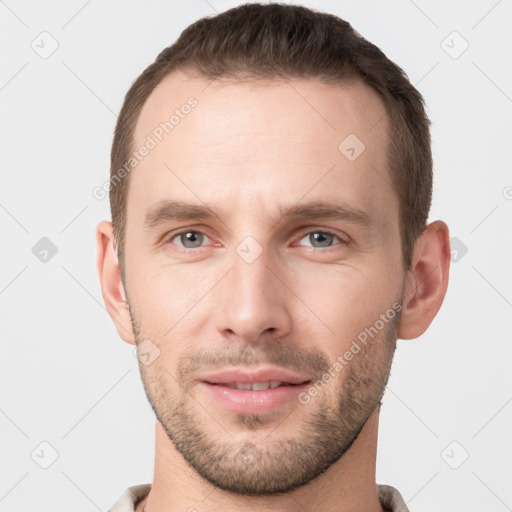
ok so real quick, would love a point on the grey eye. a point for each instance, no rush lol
(320, 239)
(190, 239)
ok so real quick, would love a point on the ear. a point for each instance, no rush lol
(426, 281)
(112, 288)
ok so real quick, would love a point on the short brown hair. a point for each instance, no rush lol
(272, 41)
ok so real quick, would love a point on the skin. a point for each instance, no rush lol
(249, 149)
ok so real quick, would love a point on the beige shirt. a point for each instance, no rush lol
(133, 497)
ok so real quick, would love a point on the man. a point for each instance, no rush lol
(270, 185)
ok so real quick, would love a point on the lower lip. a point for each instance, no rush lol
(253, 402)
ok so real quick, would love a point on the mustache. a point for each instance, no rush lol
(240, 354)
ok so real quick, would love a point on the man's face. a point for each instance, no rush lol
(249, 308)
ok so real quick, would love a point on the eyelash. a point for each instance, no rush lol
(323, 231)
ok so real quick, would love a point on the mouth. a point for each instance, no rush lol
(254, 386)
(254, 392)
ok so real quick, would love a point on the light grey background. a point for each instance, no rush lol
(67, 379)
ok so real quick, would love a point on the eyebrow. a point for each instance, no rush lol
(170, 210)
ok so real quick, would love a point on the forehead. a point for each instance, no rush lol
(311, 105)
(225, 139)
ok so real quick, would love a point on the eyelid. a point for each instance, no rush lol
(170, 236)
(302, 233)
(344, 239)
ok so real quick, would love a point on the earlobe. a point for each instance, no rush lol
(427, 280)
(112, 288)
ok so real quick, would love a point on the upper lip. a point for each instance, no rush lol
(248, 376)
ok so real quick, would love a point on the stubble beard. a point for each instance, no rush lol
(330, 426)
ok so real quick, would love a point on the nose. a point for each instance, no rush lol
(253, 301)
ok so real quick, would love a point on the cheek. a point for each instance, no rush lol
(164, 296)
(341, 303)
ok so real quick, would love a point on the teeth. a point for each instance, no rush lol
(260, 386)
(255, 386)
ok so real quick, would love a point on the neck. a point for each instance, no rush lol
(348, 485)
